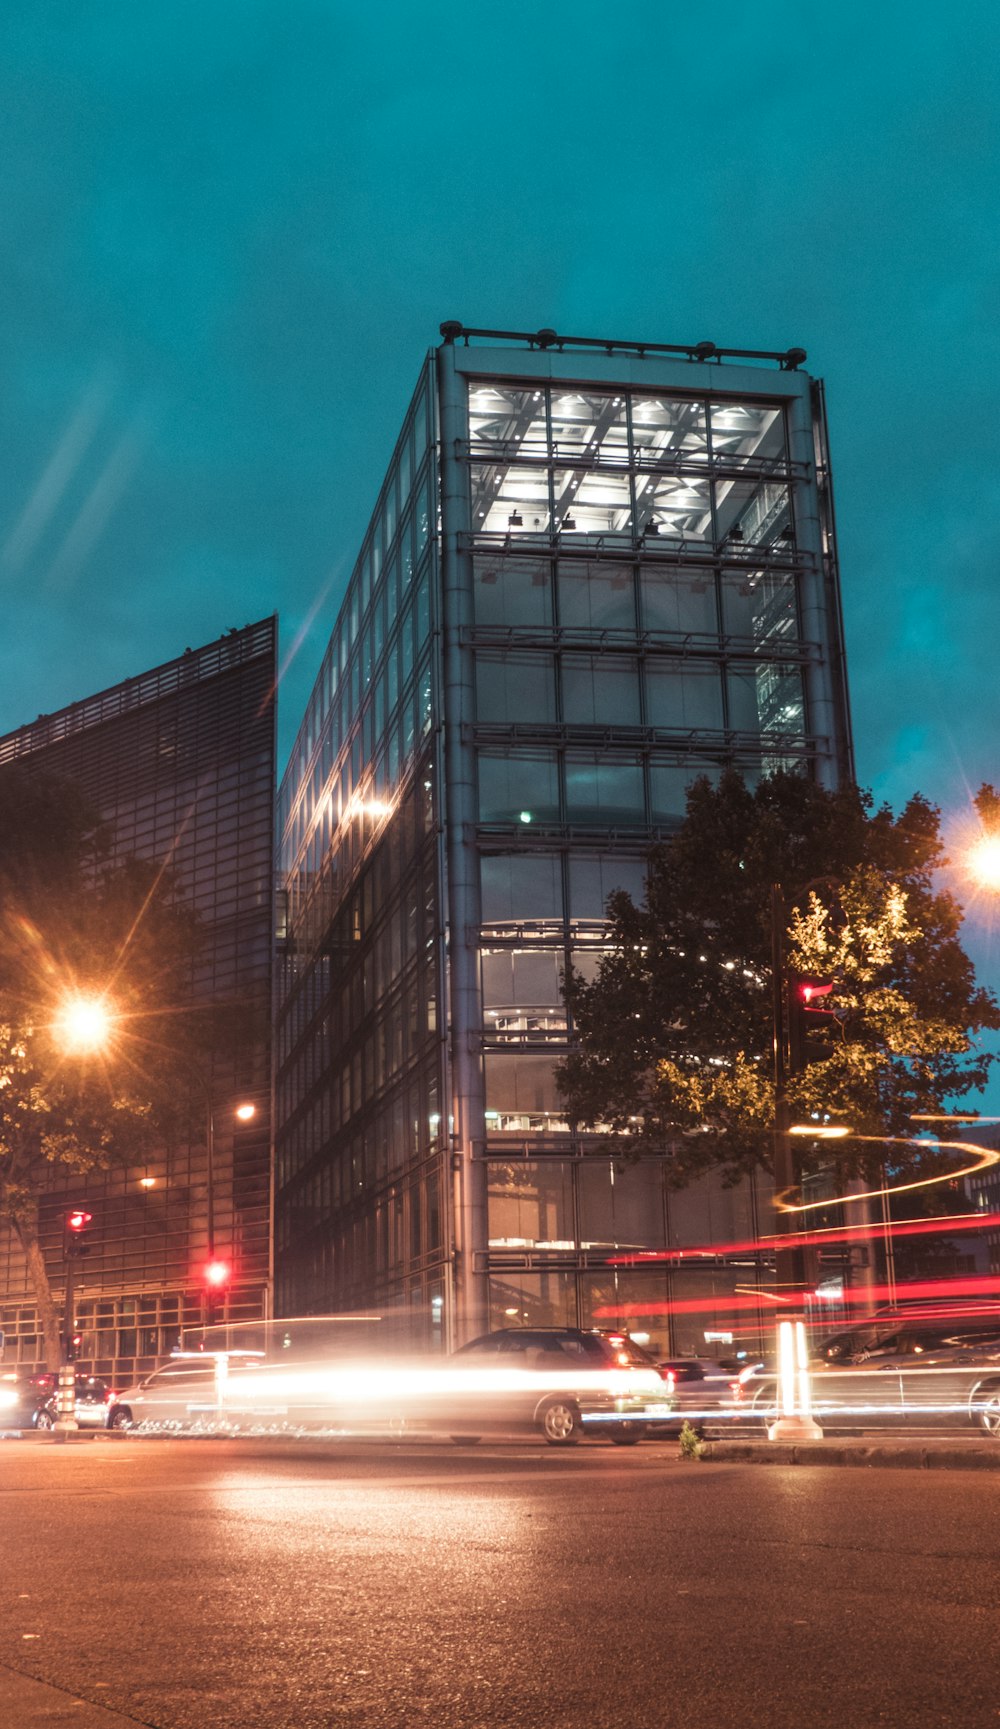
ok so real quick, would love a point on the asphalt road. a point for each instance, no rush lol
(242, 1585)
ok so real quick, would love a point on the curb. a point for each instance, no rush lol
(834, 1453)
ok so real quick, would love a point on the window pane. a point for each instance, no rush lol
(668, 784)
(661, 425)
(752, 512)
(621, 1206)
(533, 1299)
(522, 994)
(593, 879)
(592, 501)
(521, 887)
(759, 604)
(677, 601)
(593, 424)
(521, 1095)
(512, 421)
(683, 693)
(509, 500)
(596, 596)
(511, 591)
(518, 789)
(600, 690)
(766, 698)
(676, 507)
(515, 687)
(636, 1303)
(748, 429)
(530, 1204)
(603, 791)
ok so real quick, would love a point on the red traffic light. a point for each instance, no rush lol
(78, 1220)
(217, 1273)
(808, 991)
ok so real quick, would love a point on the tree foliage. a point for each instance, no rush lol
(674, 1035)
(72, 925)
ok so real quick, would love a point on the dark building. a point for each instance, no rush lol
(180, 763)
(595, 570)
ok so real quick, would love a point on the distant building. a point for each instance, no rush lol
(596, 569)
(180, 763)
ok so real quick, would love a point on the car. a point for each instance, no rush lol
(189, 1390)
(703, 1390)
(93, 1397)
(920, 1374)
(970, 1322)
(30, 1401)
(564, 1381)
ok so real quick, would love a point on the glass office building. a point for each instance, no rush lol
(595, 570)
(180, 763)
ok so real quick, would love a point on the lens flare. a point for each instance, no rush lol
(984, 861)
(84, 1024)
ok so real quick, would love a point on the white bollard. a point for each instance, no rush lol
(795, 1421)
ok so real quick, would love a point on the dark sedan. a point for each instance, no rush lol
(29, 1401)
(923, 1377)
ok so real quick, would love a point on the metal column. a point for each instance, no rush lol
(462, 892)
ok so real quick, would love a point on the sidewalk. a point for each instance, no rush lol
(950, 1453)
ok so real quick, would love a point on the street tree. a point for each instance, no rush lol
(673, 1037)
(80, 935)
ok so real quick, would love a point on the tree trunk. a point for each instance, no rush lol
(25, 1223)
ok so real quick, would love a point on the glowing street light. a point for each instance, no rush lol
(84, 1024)
(983, 861)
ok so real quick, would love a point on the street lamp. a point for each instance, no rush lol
(83, 1024)
(984, 861)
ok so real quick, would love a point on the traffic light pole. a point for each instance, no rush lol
(66, 1423)
(794, 1421)
(788, 1260)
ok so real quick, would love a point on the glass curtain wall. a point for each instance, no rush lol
(358, 1042)
(179, 762)
(637, 623)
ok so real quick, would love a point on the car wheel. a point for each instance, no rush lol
(44, 1420)
(628, 1434)
(988, 1412)
(120, 1418)
(465, 1440)
(560, 1423)
(764, 1410)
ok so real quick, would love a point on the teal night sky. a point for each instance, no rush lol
(231, 230)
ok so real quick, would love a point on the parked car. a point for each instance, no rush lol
(564, 1381)
(919, 1374)
(29, 1401)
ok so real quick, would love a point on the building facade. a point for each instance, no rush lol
(595, 571)
(180, 764)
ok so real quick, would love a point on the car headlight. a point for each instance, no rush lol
(8, 1397)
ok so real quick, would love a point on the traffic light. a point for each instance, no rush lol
(78, 1223)
(217, 1275)
(811, 1023)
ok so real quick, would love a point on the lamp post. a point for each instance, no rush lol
(83, 1026)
